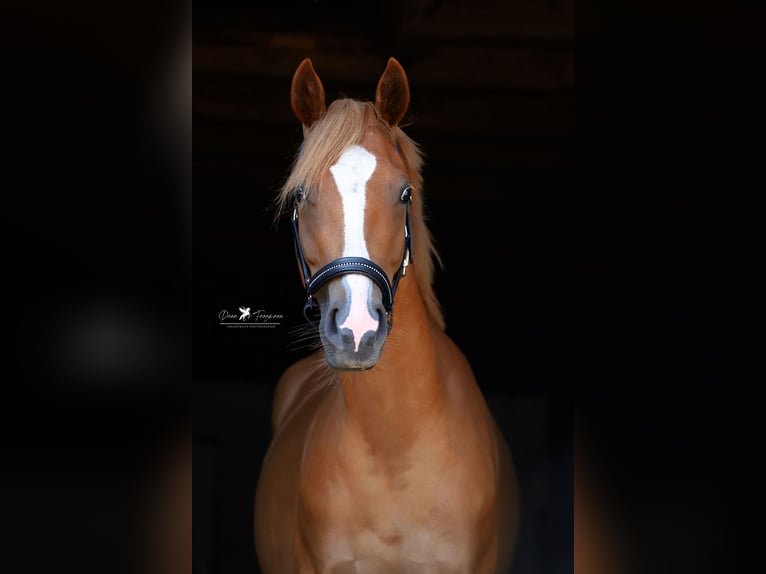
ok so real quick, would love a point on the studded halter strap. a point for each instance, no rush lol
(346, 265)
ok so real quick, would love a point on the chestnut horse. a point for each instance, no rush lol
(384, 456)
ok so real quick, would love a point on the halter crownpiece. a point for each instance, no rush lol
(346, 265)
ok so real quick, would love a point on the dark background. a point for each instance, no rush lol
(95, 236)
(493, 109)
(669, 346)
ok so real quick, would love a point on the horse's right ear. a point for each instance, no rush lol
(307, 94)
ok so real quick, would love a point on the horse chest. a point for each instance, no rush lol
(394, 515)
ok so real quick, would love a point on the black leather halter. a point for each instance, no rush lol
(362, 265)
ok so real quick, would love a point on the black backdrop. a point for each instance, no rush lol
(493, 109)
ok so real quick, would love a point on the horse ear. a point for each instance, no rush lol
(393, 94)
(307, 94)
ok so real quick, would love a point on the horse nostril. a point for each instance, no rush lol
(332, 320)
(382, 316)
(334, 332)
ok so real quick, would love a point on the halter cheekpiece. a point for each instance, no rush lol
(346, 265)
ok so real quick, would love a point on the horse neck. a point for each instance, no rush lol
(392, 400)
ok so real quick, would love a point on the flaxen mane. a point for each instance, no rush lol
(343, 125)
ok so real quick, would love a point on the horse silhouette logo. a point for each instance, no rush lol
(245, 313)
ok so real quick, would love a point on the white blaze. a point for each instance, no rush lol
(351, 173)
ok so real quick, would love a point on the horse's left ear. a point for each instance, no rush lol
(393, 94)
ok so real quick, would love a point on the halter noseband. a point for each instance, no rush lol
(361, 265)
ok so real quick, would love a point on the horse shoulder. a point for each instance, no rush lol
(292, 390)
(481, 428)
(460, 383)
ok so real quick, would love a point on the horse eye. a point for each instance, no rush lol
(406, 196)
(300, 195)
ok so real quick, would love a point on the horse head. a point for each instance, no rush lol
(352, 187)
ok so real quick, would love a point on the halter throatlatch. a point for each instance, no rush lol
(361, 265)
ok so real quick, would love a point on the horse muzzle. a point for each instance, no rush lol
(354, 323)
